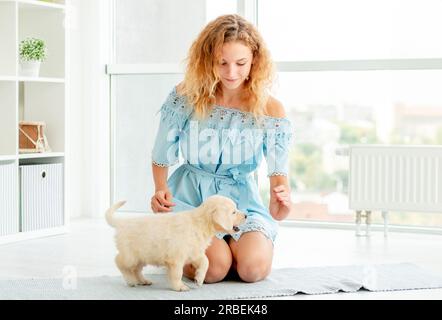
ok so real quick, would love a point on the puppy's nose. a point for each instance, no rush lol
(235, 228)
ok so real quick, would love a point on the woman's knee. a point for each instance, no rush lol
(217, 271)
(220, 262)
(253, 270)
(253, 255)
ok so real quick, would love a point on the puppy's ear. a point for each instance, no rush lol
(222, 220)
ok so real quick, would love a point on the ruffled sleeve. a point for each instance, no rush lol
(174, 114)
(278, 140)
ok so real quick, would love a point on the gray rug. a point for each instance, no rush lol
(281, 282)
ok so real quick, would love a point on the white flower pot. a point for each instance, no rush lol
(30, 68)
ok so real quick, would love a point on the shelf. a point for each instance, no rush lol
(32, 79)
(8, 78)
(40, 155)
(8, 118)
(41, 79)
(47, 25)
(24, 98)
(20, 236)
(8, 32)
(7, 157)
(33, 4)
(43, 101)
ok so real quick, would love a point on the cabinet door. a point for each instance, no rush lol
(9, 217)
(41, 196)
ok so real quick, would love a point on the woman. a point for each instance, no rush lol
(224, 121)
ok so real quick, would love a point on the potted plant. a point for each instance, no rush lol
(32, 52)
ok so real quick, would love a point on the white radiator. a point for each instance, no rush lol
(394, 178)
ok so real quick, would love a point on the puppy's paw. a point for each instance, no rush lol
(145, 282)
(131, 283)
(181, 287)
(199, 280)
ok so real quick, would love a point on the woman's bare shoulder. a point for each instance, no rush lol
(274, 108)
(179, 88)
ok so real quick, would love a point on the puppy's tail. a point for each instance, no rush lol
(110, 213)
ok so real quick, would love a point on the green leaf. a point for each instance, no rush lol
(32, 49)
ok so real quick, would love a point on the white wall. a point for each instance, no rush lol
(89, 117)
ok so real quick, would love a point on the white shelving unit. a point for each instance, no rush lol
(31, 99)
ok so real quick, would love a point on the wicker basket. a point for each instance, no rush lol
(32, 137)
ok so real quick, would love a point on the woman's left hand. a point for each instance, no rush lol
(280, 202)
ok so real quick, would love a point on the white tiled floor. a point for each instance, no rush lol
(90, 250)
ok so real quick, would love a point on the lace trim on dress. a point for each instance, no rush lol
(163, 165)
(221, 113)
(277, 174)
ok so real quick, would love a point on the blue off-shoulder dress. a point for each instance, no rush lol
(220, 153)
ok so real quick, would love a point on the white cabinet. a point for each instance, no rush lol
(41, 98)
(9, 221)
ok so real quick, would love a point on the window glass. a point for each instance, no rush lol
(348, 29)
(330, 110)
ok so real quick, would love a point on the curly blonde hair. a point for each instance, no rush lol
(202, 82)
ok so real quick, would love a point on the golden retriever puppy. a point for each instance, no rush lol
(172, 239)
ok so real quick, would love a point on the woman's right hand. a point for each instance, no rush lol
(162, 201)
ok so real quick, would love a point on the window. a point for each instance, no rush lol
(332, 109)
(348, 29)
